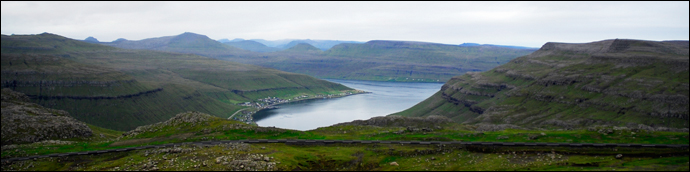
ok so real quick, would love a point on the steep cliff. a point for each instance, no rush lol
(564, 85)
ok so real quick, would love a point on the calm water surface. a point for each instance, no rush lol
(386, 98)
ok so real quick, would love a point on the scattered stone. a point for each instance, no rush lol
(394, 163)
(619, 156)
(25, 122)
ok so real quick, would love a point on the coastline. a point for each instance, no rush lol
(249, 119)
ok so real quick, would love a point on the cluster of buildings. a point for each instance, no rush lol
(246, 117)
(269, 102)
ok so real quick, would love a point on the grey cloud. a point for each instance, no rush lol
(509, 23)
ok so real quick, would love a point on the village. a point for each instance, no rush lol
(245, 115)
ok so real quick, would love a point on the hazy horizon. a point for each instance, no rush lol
(529, 24)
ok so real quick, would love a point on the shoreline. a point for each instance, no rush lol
(272, 106)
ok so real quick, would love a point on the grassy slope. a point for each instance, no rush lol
(369, 156)
(642, 83)
(188, 82)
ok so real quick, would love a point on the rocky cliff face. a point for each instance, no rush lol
(611, 82)
(24, 122)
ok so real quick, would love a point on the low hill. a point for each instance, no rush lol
(320, 44)
(121, 89)
(91, 39)
(303, 48)
(251, 46)
(564, 85)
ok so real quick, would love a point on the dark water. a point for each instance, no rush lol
(386, 98)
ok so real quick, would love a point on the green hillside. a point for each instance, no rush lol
(121, 89)
(611, 82)
(196, 127)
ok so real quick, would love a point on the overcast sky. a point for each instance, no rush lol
(505, 23)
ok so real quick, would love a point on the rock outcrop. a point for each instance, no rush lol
(24, 122)
(192, 118)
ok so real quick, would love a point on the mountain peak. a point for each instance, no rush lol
(91, 39)
(119, 40)
(303, 47)
(190, 34)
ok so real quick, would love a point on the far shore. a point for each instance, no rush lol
(272, 106)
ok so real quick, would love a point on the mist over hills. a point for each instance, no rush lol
(122, 89)
(320, 44)
(565, 85)
(281, 44)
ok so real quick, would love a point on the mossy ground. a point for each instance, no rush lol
(365, 156)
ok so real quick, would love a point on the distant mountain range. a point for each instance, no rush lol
(617, 82)
(402, 61)
(278, 45)
(184, 43)
(252, 46)
(507, 46)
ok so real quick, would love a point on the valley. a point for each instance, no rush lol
(605, 105)
(345, 86)
(122, 89)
